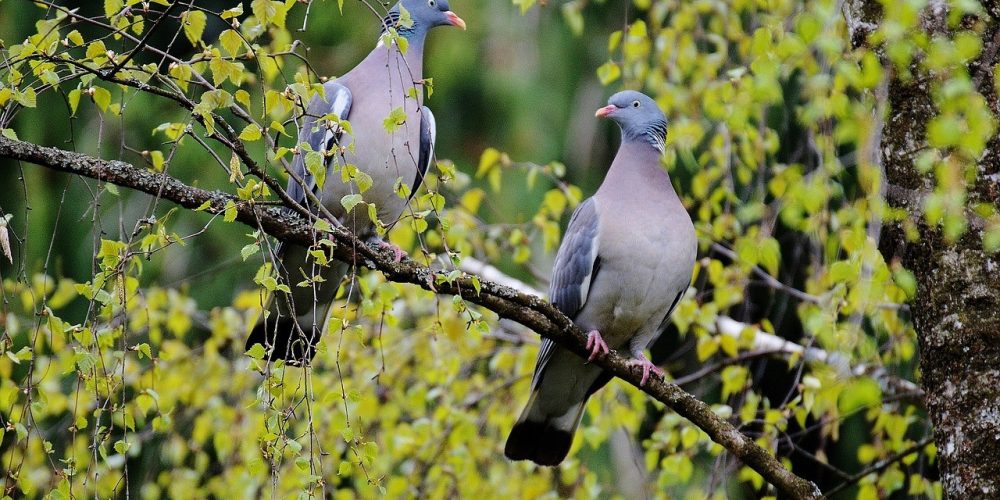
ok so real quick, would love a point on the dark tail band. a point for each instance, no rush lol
(539, 442)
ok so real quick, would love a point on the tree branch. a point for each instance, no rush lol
(529, 310)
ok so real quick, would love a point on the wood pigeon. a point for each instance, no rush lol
(624, 263)
(382, 93)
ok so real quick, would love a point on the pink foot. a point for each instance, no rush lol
(647, 366)
(398, 253)
(596, 345)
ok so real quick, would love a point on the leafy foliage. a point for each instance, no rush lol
(123, 368)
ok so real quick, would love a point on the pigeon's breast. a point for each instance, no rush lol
(384, 145)
(645, 263)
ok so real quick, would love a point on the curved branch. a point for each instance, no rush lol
(529, 310)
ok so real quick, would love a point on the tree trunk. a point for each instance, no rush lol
(956, 311)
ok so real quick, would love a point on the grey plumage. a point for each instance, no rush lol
(387, 79)
(624, 263)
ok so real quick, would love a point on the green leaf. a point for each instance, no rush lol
(101, 97)
(247, 251)
(860, 393)
(243, 97)
(323, 226)
(270, 12)
(348, 434)
(194, 25)
(74, 100)
(230, 211)
(905, 281)
(396, 118)
(97, 51)
(27, 98)
(231, 42)
(316, 166)
(25, 354)
(769, 255)
(350, 201)
(75, 38)
(572, 13)
(277, 127)
(21, 430)
(405, 19)
(608, 72)
(251, 133)
(158, 160)
(706, 347)
(122, 446)
(344, 469)
(363, 180)
(256, 352)
(233, 12)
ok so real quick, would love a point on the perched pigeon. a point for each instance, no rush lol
(624, 263)
(381, 93)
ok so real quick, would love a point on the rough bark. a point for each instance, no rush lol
(529, 310)
(956, 311)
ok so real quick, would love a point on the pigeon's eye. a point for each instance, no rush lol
(635, 104)
(431, 3)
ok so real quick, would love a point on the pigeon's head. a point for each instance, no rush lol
(638, 116)
(427, 14)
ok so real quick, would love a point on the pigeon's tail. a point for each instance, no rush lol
(541, 435)
(295, 321)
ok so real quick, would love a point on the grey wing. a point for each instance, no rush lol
(577, 264)
(319, 134)
(428, 136)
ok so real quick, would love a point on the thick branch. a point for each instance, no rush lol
(526, 309)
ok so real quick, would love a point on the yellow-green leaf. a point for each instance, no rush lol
(350, 201)
(608, 73)
(231, 41)
(194, 25)
(230, 211)
(396, 118)
(101, 97)
(251, 133)
(74, 100)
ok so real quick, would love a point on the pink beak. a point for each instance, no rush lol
(455, 20)
(605, 111)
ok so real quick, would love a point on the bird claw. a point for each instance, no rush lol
(647, 366)
(397, 252)
(596, 345)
